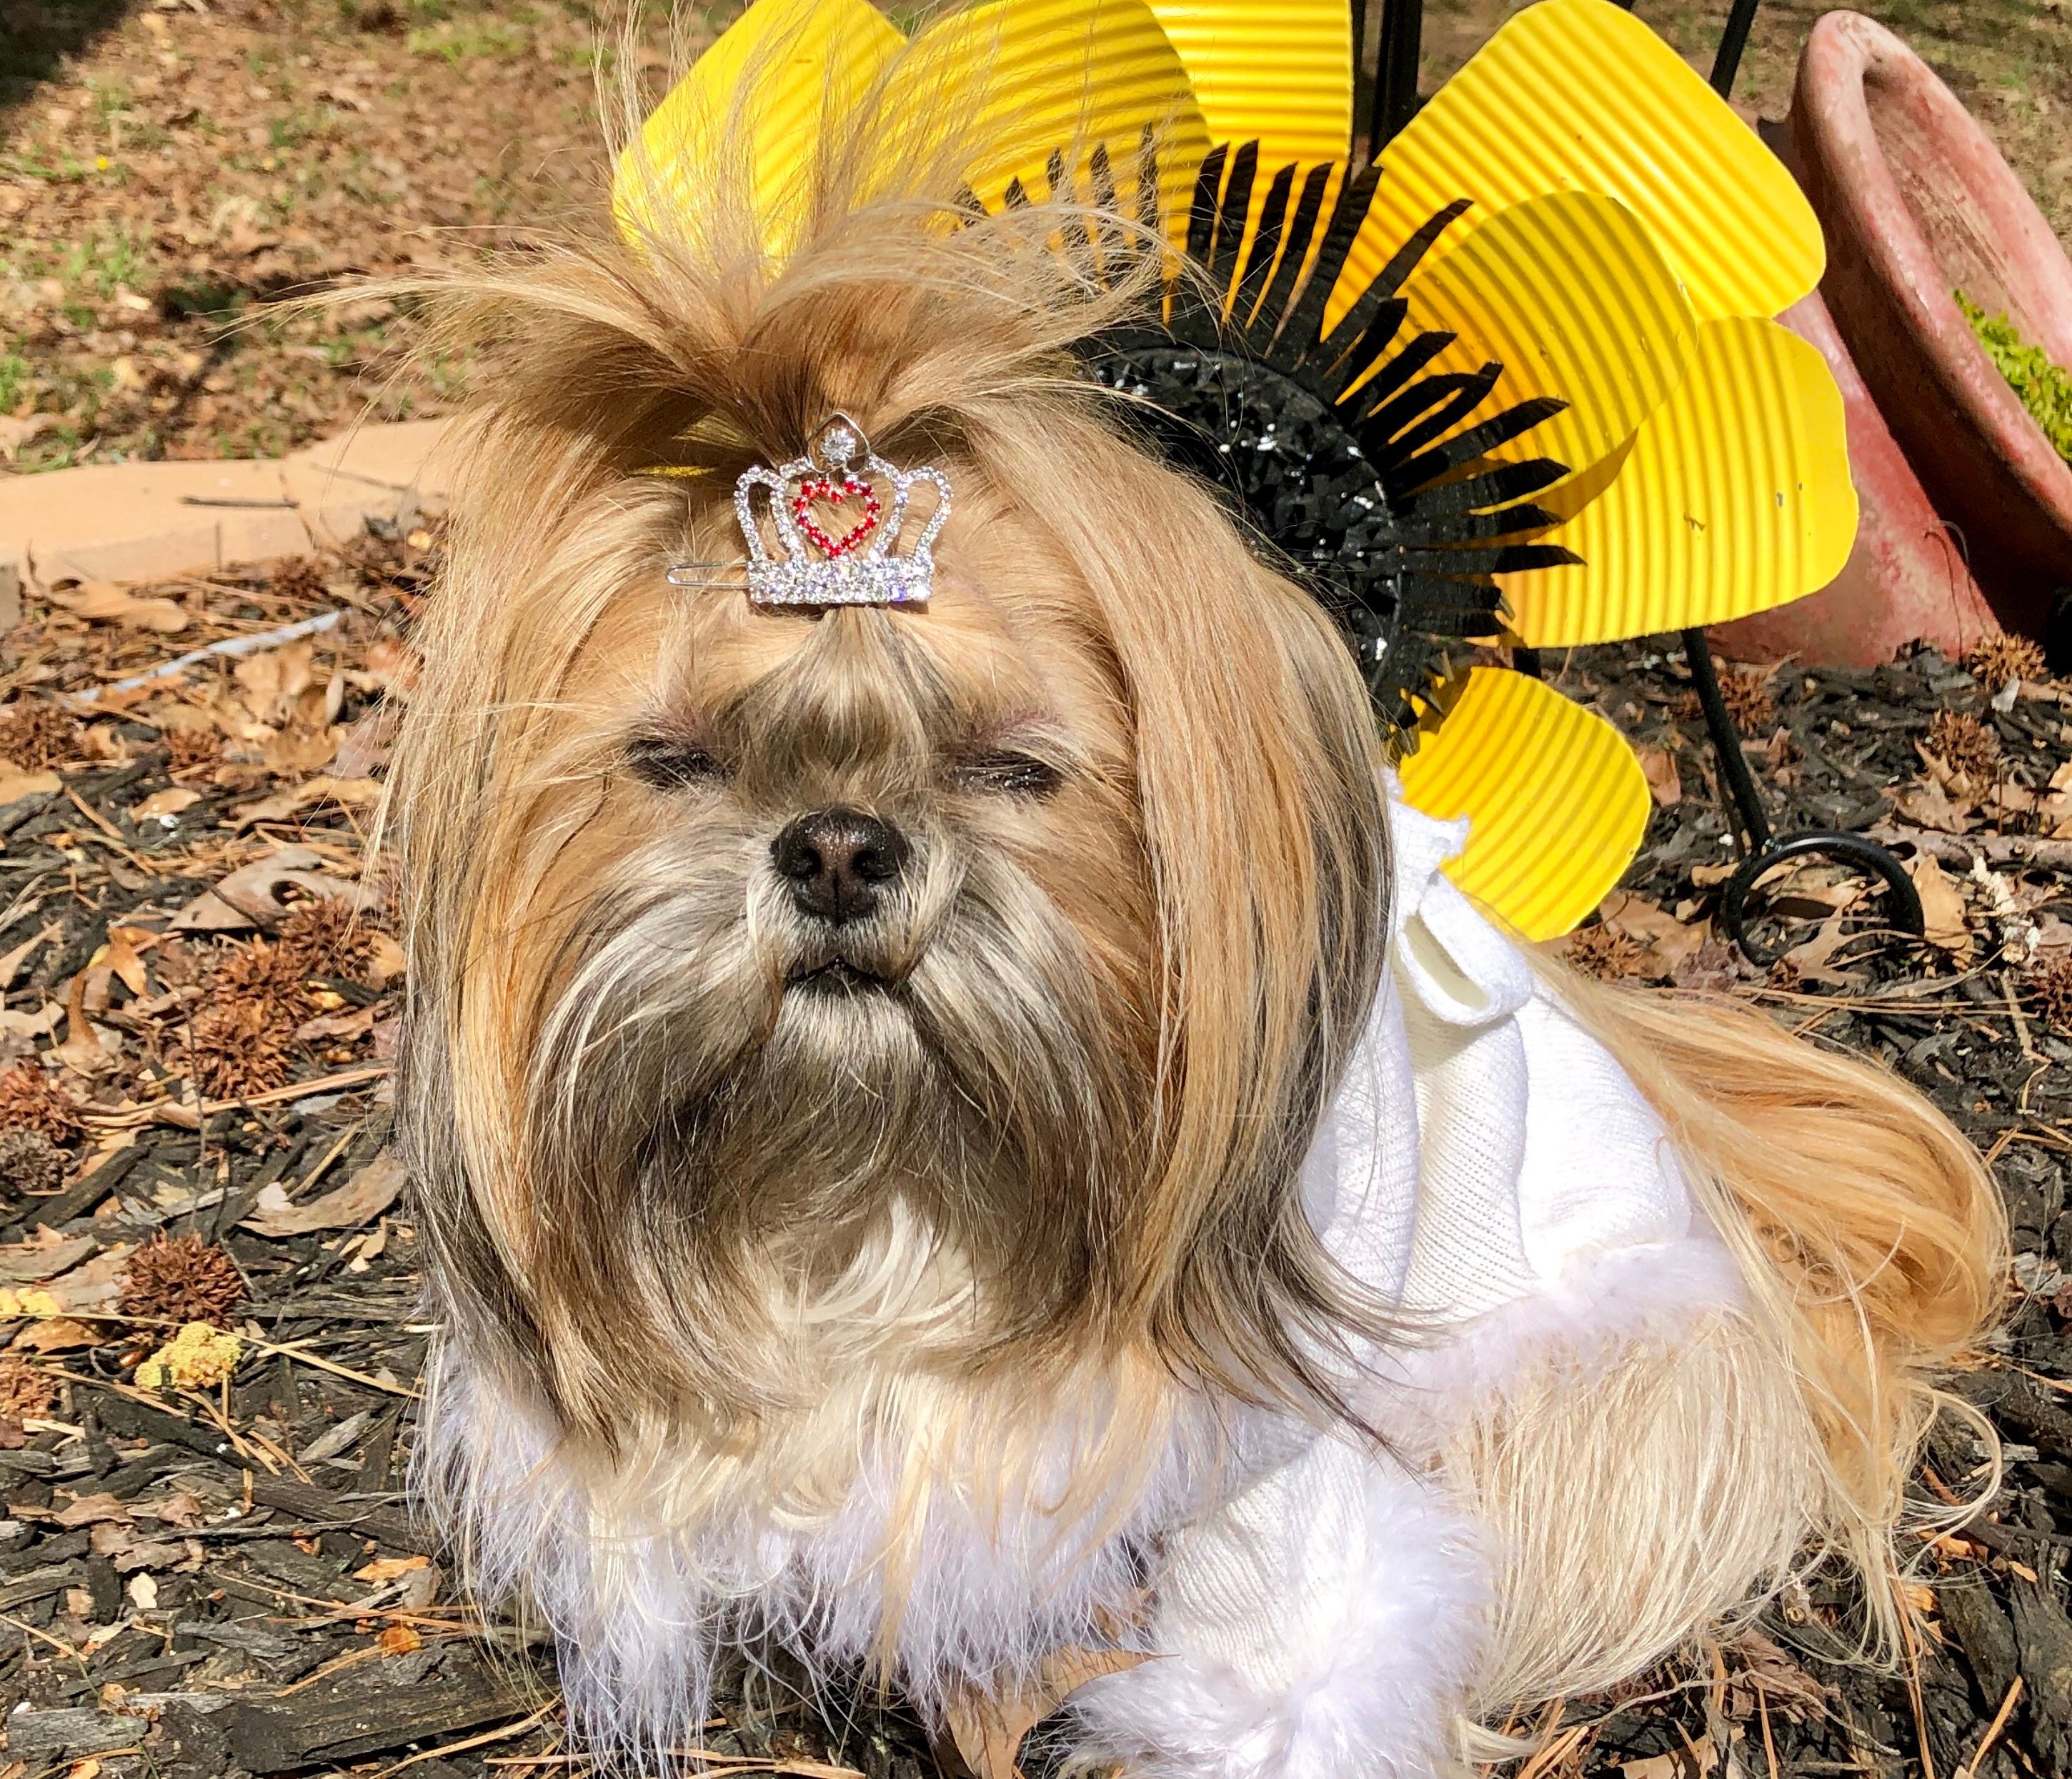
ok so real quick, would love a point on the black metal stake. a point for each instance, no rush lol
(1396, 82)
(1760, 850)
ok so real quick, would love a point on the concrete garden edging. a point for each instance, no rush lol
(152, 521)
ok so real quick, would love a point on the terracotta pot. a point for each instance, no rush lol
(1905, 581)
(1916, 202)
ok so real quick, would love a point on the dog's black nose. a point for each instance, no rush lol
(836, 860)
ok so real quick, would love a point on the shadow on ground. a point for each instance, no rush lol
(36, 35)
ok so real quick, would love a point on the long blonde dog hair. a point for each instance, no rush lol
(1872, 1236)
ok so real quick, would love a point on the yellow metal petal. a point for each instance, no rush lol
(1021, 80)
(757, 97)
(1736, 497)
(1281, 75)
(1568, 293)
(1579, 95)
(1557, 800)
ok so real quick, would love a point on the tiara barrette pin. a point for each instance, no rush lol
(815, 565)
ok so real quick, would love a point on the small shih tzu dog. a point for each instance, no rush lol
(957, 1116)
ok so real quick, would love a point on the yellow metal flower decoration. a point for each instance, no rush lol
(1575, 230)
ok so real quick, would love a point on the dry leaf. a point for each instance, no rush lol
(365, 1196)
(1927, 804)
(178, 1509)
(1658, 765)
(1666, 940)
(400, 1640)
(254, 895)
(11, 962)
(391, 665)
(97, 1283)
(1942, 905)
(299, 748)
(59, 1334)
(170, 802)
(31, 1262)
(351, 793)
(143, 1593)
(104, 602)
(384, 1569)
(15, 433)
(987, 1732)
(1781, 1679)
(119, 956)
(1813, 961)
(15, 784)
(90, 1509)
(36, 1025)
(357, 1024)
(270, 683)
(385, 963)
(87, 1048)
(1695, 1762)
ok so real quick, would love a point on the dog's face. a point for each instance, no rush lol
(952, 986)
(853, 934)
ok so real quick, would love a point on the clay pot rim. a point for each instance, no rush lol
(1842, 53)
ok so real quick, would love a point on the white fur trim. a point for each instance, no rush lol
(1601, 1306)
(1326, 1626)
(644, 1608)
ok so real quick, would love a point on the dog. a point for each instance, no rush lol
(954, 1132)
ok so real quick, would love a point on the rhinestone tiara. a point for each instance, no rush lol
(814, 565)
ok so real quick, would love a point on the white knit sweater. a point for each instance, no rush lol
(1489, 1166)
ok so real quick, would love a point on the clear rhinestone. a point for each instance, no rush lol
(837, 446)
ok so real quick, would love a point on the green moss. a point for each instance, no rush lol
(2045, 389)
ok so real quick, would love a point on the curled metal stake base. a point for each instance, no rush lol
(1760, 848)
(1866, 855)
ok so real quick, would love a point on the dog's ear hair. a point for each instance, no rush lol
(1259, 774)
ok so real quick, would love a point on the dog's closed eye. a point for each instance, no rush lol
(1009, 774)
(671, 761)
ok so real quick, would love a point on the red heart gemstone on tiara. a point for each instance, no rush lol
(835, 495)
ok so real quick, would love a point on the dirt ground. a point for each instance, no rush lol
(172, 171)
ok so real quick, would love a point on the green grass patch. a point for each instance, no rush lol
(460, 39)
(14, 374)
(106, 261)
(2043, 386)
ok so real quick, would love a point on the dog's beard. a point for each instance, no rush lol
(759, 1115)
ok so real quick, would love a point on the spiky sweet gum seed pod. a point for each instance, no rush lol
(1605, 953)
(297, 577)
(1999, 661)
(2052, 986)
(36, 733)
(1746, 694)
(326, 938)
(242, 1047)
(24, 1390)
(182, 1278)
(1963, 744)
(31, 1099)
(30, 1162)
(193, 747)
